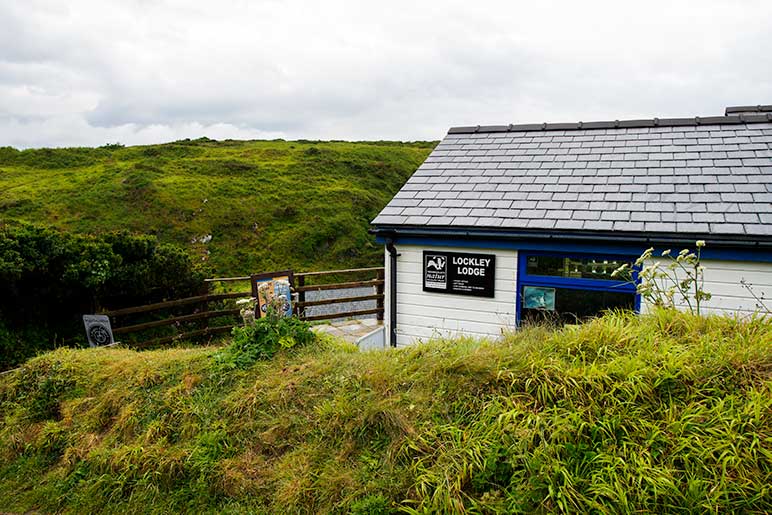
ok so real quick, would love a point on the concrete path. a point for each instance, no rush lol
(349, 330)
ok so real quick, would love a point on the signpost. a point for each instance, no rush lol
(459, 273)
(98, 330)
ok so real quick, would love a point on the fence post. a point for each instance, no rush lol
(379, 290)
(301, 295)
(204, 305)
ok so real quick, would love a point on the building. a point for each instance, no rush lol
(502, 224)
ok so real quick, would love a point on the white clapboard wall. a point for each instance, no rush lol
(723, 282)
(422, 315)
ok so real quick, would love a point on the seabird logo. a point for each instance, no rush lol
(436, 262)
(436, 271)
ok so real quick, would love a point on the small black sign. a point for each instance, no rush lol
(459, 273)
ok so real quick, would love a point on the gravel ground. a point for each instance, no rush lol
(340, 308)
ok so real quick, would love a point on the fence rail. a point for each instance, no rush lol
(338, 300)
(339, 286)
(345, 314)
(299, 287)
(209, 331)
(175, 320)
(226, 279)
(174, 303)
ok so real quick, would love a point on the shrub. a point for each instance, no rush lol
(48, 279)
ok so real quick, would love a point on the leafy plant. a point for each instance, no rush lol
(263, 338)
(247, 310)
(682, 278)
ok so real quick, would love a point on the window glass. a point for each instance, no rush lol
(573, 267)
(568, 305)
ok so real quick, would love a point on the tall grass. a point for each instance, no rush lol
(660, 413)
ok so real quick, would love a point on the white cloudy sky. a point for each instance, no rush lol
(142, 71)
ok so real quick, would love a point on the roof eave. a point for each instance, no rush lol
(717, 240)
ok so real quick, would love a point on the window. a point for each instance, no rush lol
(573, 267)
(567, 288)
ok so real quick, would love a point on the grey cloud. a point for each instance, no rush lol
(89, 72)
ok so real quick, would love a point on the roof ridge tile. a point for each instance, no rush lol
(763, 115)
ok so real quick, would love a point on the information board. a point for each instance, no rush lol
(459, 273)
(273, 290)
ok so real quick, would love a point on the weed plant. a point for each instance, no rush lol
(660, 413)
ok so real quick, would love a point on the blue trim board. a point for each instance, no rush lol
(577, 284)
(518, 297)
(594, 248)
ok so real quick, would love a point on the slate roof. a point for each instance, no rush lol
(686, 176)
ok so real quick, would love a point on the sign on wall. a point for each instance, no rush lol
(459, 273)
(536, 297)
(98, 330)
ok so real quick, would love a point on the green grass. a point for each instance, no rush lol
(659, 413)
(267, 204)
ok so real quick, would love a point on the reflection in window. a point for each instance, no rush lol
(572, 267)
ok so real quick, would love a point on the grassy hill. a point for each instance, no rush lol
(265, 204)
(659, 413)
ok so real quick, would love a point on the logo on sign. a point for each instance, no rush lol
(435, 271)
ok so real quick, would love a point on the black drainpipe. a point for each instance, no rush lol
(392, 291)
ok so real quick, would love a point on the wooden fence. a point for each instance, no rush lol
(201, 311)
(301, 287)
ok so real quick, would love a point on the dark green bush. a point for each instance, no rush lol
(19, 343)
(263, 339)
(49, 279)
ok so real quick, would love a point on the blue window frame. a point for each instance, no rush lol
(524, 278)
